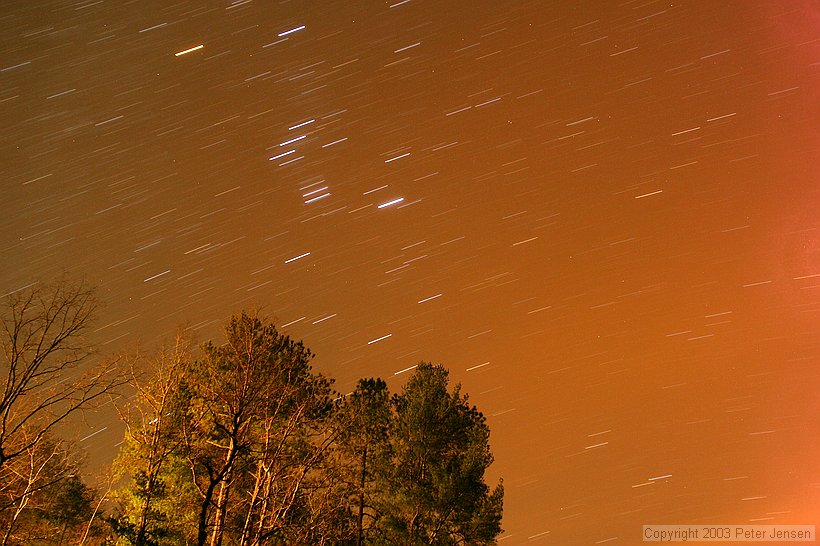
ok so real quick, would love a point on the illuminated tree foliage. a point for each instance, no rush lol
(241, 443)
(239, 435)
(245, 444)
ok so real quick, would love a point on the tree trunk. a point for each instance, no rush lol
(18, 510)
(246, 528)
(153, 472)
(142, 529)
(263, 509)
(202, 531)
(221, 506)
(360, 519)
(10, 528)
(222, 499)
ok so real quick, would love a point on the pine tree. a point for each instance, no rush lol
(433, 477)
(363, 418)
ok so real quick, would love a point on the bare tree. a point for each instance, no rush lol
(25, 484)
(43, 377)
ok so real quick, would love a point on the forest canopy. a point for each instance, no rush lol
(238, 441)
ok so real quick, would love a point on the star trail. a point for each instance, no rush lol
(602, 218)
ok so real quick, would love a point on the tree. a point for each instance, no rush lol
(41, 333)
(433, 482)
(71, 506)
(44, 381)
(150, 454)
(232, 445)
(247, 445)
(363, 419)
(25, 486)
(42, 497)
(254, 402)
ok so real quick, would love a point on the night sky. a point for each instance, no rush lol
(602, 217)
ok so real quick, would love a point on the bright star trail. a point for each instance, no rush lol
(190, 50)
(603, 218)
